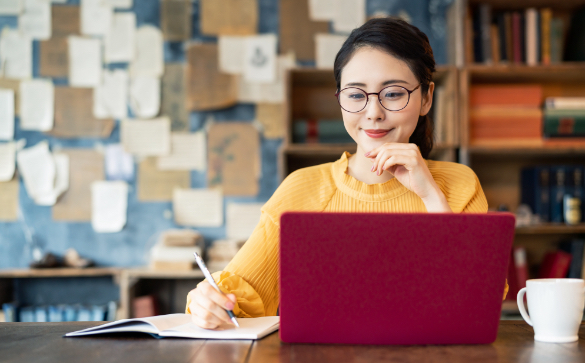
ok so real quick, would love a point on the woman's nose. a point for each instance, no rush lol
(374, 110)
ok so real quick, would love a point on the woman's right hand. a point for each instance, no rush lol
(208, 306)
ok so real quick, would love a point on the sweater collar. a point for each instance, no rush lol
(360, 190)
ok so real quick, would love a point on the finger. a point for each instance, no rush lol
(391, 145)
(204, 314)
(232, 297)
(385, 155)
(202, 323)
(406, 161)
(211, 306)
(218, 297)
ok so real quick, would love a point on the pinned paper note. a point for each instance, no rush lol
(85, 62)
(15, 54)
(229, 17)
(349, 14)
(96, 17)
(188, 152)
(260, 59)
(207, 88)
(297, 30)
(110, 98)
(6, 114)
(156, 185)
(120, 4)
(10, 7)
(145, 96)
(36, 105)
(7, 161)
(14, 85)
(328, 45)
(119, 40)
(175, 19)
(74, 117)
(322, 10)
(173, 96)
(269, 92)
(109, 205)
(148, 53)
(241, 219)
(272, 118)
(86, 166)
(65, 20)
(119, 163)
(146, 137)
(231, 48)
(9, 200)
(54, 58)
(234, 158)
(198, 207)
(61, 183)
(35, 20)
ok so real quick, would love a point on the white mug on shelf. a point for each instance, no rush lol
(556, 308)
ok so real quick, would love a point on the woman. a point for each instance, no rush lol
(384, 81)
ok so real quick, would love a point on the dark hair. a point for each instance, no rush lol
(405, 42)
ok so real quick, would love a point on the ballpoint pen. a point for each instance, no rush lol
(212, 282)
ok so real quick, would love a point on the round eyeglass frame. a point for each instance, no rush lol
(377, 94)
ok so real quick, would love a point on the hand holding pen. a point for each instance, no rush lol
(209, 306)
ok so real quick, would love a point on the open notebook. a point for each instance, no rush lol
(180, 326)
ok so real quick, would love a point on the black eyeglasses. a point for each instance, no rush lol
(392, 98)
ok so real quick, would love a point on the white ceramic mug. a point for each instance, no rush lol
(556, 308)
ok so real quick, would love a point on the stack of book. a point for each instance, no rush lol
(564, 117)
(174, 250)
(505, 112)
(222, 252)
(443, 114)
(57, 313)
(320, 131)
(543, 189)
(532, 36)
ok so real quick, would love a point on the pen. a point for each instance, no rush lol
(212, 282)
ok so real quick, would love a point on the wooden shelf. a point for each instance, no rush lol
(59, 272)
(531, 147)
(319, 149)
(515, 5)
(510, 307)
(147, 273)
(551, 229)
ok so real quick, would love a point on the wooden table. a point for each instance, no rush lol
(44, 342)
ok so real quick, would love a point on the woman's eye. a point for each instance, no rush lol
(356, 96)
(393, 95)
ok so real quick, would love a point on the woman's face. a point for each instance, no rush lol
(372, 70)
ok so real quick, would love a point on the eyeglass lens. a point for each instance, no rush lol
(393, 98)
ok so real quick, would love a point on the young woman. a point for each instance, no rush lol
(384, 82)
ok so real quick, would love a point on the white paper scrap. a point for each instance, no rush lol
(148, 53)
(349, 14)
(38, 170)
(109, 205)
(37, 99)
(7, 161)
(188, 152)
(120, 4)
(61, 180)
(6, 114)
(145, 96)
(267, 92)
(241, 219)
(119, 163)
(15, 54)
(110, 98)
(322, 10)
(198, 207)
(260, 58)
(10, 7)
(35, 21)
(146, 137)
(327, 47)
(119, 41)
(231, 50)
(96, 17)
(85, 62)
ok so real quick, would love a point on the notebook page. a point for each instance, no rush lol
(152, 325)
(250, 328)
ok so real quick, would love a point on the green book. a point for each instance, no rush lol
(564, 123)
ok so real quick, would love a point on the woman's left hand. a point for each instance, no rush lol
(405, 162)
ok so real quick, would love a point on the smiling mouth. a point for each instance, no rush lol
(377, 133)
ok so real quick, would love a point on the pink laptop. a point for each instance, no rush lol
(393, 278)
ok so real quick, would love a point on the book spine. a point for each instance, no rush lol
(578, 186)
(557, 192)
(560, 266)
(522, 37)
(565, 103)
(517, 42)
(556, 40)
(509, 36)
(544, 193)
(10, 312)
(521, 266)
(485, 14)
(564, 125)
(495, 39)
(545, 17)
(512, 279)
(501, 20)
(478, 55)
(531, 37)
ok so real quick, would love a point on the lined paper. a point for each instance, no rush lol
(96, 17)
(148, 53)
(146, 137)
(241, 219)
(109, 204)
(110, 98)
(328, 45)
(198, 207)
(85, 62)
(119, 40)
(6, 114)
(7, 161)
(37, 98)
(145, 96)
(155, 185)
(15, 54)
(231, 48)
(188, 152)
(35, 21)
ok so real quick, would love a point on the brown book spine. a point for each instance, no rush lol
(545, 17)
(509, 37)
(495, 39)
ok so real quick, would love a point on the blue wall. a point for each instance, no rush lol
(130, 246)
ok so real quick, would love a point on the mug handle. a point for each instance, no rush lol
(520, 301)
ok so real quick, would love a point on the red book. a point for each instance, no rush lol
(555, 265)
(144, 306)
(516, 37)
(521, 266)
(510, 95)
(512, 280)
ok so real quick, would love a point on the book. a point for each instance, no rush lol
(531, 36)
(545, 36)
(576, 249)
(511, 95)
(502, 41)
(321, 131)
(520, 266)
(558, 188)
(516, 37)
(534, 184)
(485, 19)
(144, 306)
(555, 265)
(576, 185)
(181, 326)
(565, 103)
(10, 312)
(564, 123)
(557, 29)
(512, 278)
(505, 122)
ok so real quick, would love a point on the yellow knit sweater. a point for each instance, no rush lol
(253, 273)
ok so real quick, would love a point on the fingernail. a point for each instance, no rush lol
(373, 166)
(368, 153)
(229, 305)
